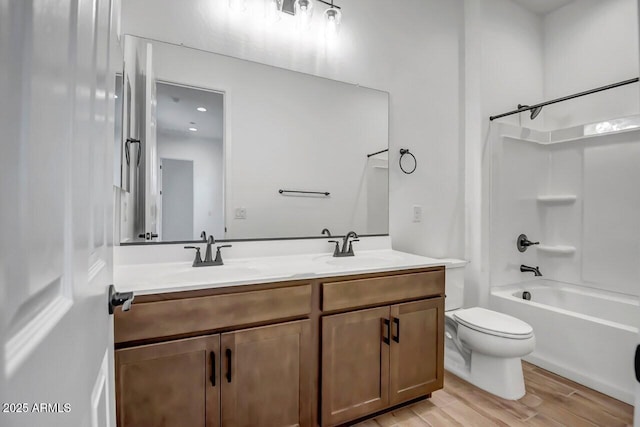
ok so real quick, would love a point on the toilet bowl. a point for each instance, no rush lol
(485, 348)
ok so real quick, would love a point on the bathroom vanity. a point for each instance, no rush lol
(296, 337)
(304, 349)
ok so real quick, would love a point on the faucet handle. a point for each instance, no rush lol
(198, 259)
(350, 250)
(219, 255)
(337, 248)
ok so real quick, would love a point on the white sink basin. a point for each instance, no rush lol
(357, 261)
(215, 273)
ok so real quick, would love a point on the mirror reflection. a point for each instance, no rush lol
(189, 137)
(243, 150)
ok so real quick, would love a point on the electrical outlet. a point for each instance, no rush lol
(417, 213)
(241, 213)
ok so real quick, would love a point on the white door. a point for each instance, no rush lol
(176, 202)
(56, 212)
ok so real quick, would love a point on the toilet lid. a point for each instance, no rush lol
(493, 323)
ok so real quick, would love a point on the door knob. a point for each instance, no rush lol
(119, 298)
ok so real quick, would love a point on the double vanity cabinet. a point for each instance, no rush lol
(322, 351)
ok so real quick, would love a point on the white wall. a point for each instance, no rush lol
(512, 66)
(503, 67)
(587, 44)
(412, 51)
(208, 185)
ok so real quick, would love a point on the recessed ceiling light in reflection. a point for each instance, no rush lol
(201, 109)
(193, 129)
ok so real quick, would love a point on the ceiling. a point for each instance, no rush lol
(543, 7)
(177, 111)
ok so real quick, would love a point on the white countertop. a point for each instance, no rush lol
(163, 277)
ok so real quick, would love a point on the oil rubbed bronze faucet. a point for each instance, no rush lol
(347, 245)
(534, 270)
(208, 258)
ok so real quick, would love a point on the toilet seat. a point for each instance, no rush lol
(493, 323)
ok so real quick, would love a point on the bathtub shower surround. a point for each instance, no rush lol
(576, 191)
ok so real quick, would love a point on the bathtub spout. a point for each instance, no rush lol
(534, 270)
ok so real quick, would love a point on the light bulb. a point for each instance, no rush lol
(332, 18)
(304, 12)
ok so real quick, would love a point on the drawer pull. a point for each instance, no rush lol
(396, 338)
(228, 353)
(385, 330)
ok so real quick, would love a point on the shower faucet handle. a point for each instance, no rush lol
(523, 243)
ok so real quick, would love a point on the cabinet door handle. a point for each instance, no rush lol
(213, 369)
(385, 330)
(228, 353)
(396, 338)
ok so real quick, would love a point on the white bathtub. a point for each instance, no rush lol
(583, 334)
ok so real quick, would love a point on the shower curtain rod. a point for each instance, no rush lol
(565, 98)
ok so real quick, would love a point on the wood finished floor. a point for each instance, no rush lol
(550, 401)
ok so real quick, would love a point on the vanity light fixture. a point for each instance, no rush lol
(201, 109)
(304, 13)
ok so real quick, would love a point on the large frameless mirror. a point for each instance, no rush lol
(243, 150)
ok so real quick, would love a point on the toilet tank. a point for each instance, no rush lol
(454, 283)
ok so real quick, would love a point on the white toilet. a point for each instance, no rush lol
(482, 346)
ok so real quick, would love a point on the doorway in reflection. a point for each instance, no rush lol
(190, 139)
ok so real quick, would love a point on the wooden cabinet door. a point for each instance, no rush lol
(417, 349)
(175, 383)
(266, 376)
(355, 364)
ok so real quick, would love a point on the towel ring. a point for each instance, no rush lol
(404, 151)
